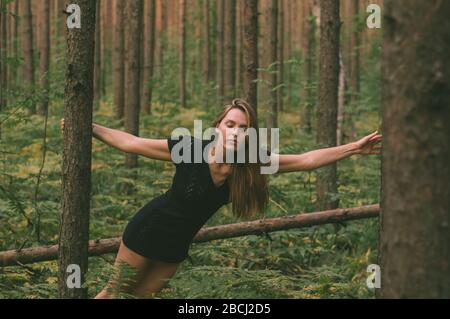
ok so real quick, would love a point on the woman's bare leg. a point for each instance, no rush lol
(156, 278)
(129, 269)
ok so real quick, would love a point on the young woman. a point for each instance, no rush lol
(157, 238)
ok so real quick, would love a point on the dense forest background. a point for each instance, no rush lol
(191, 63)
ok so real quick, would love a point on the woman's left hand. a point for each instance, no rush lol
(369, 145)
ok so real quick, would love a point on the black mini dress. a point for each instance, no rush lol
(164, 228)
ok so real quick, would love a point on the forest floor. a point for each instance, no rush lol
(317, 262)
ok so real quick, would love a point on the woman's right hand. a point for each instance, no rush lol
(61, 124)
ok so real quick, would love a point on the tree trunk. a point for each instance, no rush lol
(207, 63)
(76, 174)
(353, 69)
(106, 28)
(3, 53)
(207, 46)
(12, 43)
(326, 184)
(28, 52)
(3, 50)
(230, 50)
(272, 114)
(251, 51)
(415, 217)
(119, 63)
(182, 51)
(281, 33)
(149, 52)
(164, 37)
(97, 59)
(341, 101)
(239, 76)
(44, 56)
(220, 49)
(133, 16)
(308, 70)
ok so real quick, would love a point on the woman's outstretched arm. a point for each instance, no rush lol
(368, 145)
(128, 143)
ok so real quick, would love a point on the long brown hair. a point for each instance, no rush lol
(249, 192)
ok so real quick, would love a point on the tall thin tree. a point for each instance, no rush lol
(27, 48)
(230, 50)
(272, 114)
(97, 58)
(76, 171)
(220, 49)
(326, 184)
(309, 66)
(3, 74)
(182, 51)
(281, 52)
(148, 55)
(207, 65)
(133, 17)
(251, 51)
(119, 62)
(44, 56)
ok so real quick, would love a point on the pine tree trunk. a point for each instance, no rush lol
(326, 184)
(27, 47)
(239, 51)
(163, 39)
(414, 254)
(15, 42)
(272, 114)
(206, 48)
(251, 51)
(341, 101)
(182, 51)
(281, 33)
(97, 59)
(149, 52)
(308, 70)
(133, 17)
(230, 50)
(3, 50)
(76, 172)
(119, 61)
(220, 49)
(44, 56)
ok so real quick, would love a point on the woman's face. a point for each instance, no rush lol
(233, 127)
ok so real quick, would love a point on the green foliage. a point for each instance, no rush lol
(317, 262)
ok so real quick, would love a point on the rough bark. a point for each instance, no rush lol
(326, 185)
(414, 252)
(76, 171)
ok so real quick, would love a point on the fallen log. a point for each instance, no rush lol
(257, 227)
